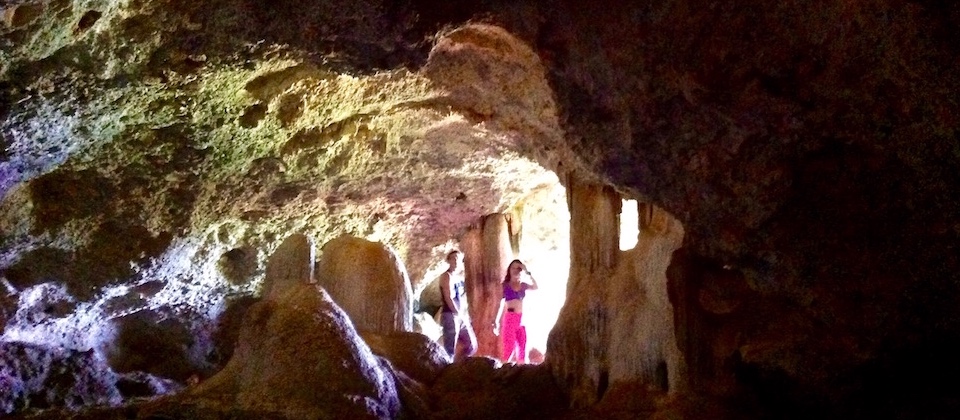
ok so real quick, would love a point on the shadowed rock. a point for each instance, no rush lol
(298, 356)
(36, 377)
(480, 388)
(413, 353)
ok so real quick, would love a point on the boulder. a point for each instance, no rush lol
(369, 282)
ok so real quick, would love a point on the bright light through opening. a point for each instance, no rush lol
(629, 225)
(545, 249)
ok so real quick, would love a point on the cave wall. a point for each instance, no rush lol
(810, 148)
(156, 152)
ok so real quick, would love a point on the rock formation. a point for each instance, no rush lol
(298, 355)
(33, 377)
(487, 252)
(369, 282)
(156, 152)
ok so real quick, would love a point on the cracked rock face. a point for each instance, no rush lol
(155, 152)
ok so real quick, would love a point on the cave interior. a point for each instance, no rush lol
(239, 209)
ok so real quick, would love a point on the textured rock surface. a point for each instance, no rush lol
(487, 253)
(297, 357)
(479, 388)
(414, 354)
(290, 266)
(155, 152)
(35, 377)
(368, 282)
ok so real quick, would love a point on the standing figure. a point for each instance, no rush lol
(514, 334)
(454, 319)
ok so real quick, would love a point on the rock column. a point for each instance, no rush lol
(369, 282)
(487, 251)
(576, 346)
(616, 330)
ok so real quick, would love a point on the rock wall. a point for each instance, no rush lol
(369, 282)
(155, 152)
(617, 327)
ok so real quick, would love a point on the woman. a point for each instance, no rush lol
(514, 334)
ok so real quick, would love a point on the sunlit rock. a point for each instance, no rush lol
(369, 282)
(487, 252)
(290, 266)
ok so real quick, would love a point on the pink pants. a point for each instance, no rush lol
(514, 337)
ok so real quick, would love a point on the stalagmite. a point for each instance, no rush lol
(298, 356)
(369, 282)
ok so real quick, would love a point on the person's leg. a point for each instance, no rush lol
(521, 344)
(449, 324)
(466, 331)
(509, 334)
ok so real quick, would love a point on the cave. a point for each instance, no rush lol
(239, 209)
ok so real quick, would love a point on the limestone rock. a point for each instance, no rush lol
(414, 354)
(36, 377)
(290, 266)
(141, 384)
(809, 148)
(369, 282)
(487, 253)
(298, 356)
(151, 342)
(621, 329)
(482, 388)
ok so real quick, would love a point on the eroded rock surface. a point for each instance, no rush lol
(369, 282)
(35, 377)
(156, 152)
(299, 357)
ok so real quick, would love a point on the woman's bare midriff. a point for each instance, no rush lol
(514, 305)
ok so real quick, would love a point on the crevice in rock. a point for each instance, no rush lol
(88, 20)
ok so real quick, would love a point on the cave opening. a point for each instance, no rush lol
(534, 230)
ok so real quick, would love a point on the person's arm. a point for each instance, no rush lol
(446, 292)
(533, 282)
(496, 319)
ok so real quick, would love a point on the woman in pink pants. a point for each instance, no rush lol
(514, 333)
